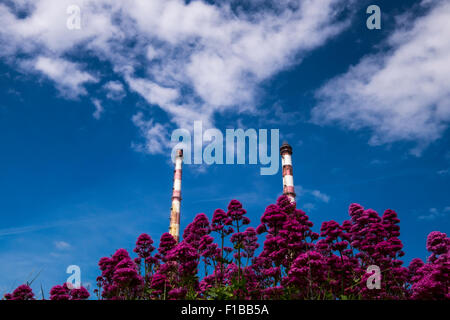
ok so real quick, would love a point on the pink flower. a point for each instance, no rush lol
(22, 292)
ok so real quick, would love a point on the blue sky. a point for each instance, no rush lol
(86, 117)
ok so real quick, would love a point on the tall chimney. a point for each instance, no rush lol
(174, 227)
(288, 178)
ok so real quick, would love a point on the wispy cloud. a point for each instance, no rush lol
(62, 245)
(434, 214)
(320, 196)
(193, 59)
(26, 229)
(315, 195)
(68, 77)
(43, 226)
(98, 109)
(402, 94)
(115, 90)
(155, 134)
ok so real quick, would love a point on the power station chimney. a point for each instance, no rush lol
(174, 227)
(288, 178)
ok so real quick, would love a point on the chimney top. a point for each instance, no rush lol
(285, 148)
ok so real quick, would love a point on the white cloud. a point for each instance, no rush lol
(98, 109)
(402, 94)
(314, 194)
(153, 53)
(434, 213)
(43, 29)
(62, 245)
(320, 196)
(152, 92)
(115, 90)
(67, 75)
(193, 60)
(156, 135)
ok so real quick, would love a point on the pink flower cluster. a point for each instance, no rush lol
(22, 292)
(431, 280)
(65, 293)
(219, 260)
(120, 278)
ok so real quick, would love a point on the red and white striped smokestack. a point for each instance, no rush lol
(174, 227)
(288, 178)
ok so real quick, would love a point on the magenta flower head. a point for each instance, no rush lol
(355, 211)
(250, 242)
(431, 281)
(207, 282)
(414, 267)
(227, 249)
(120, 255)
(144, 246)
(220, 223)
(105, 264)
(65, 293)
(187, 258)
(273, 217)
(118, 273)
(309, 269)
(285, 204)
(261, 229)
(237, 238)
(331, 230)
(218, 220)
(126, 274)
(22, 292)
(196, 230)
(79, 294)
(390, 223)
(438, 243)
(166, 243)
(235, 210)
(159, 283)
(60, 292)
(208, 248)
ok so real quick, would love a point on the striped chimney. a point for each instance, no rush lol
(174, 227)
(288, 178)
